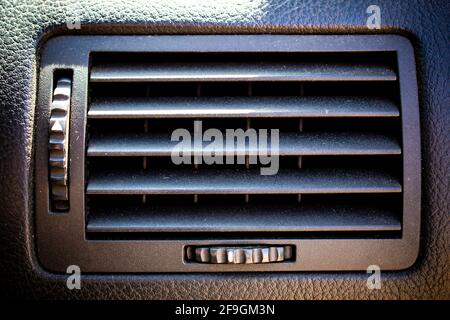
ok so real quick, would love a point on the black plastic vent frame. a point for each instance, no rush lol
(347, 194)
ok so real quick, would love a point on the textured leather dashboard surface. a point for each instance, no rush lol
(24, 25)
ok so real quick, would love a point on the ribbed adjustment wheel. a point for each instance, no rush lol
(240, 255)
(59, 145)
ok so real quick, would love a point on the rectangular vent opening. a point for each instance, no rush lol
(340, 167)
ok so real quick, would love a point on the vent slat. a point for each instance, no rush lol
(229, 181)
(291, 144)
(242, 107)
(251, 71)
(243, 219)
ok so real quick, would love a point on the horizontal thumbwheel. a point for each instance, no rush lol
(240, 255)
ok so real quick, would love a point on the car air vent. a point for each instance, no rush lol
(328, 167)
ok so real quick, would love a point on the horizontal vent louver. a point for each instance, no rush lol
(340, 169)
